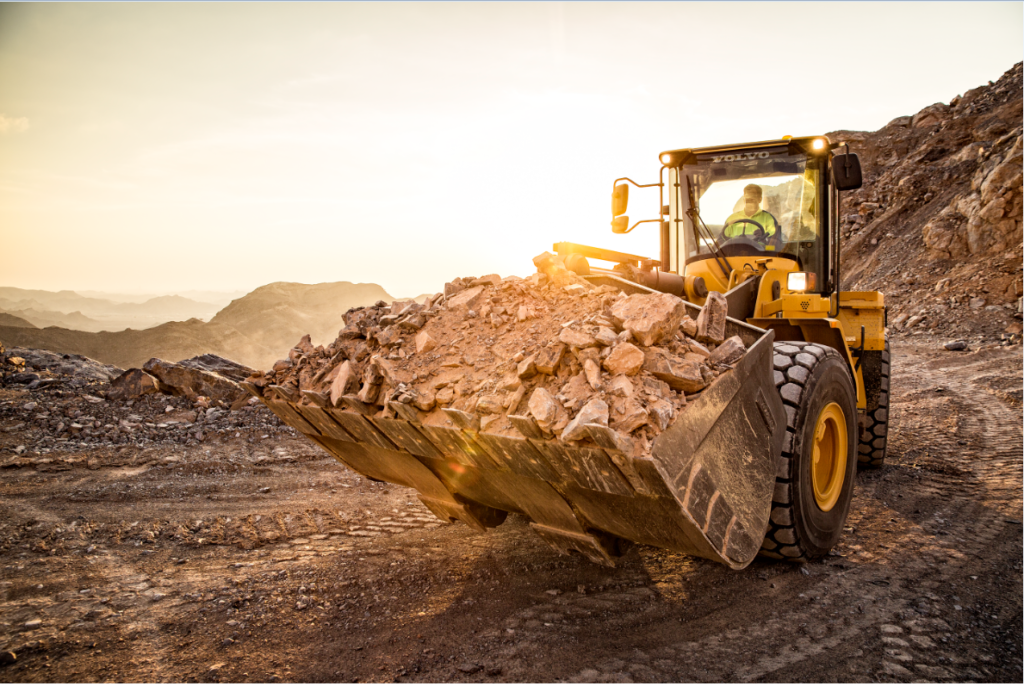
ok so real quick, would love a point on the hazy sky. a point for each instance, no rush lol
(166, 147)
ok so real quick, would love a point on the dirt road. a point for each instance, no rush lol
(260, 559)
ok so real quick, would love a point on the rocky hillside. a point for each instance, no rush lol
(279, 314)
(252, 330)
(937, 225)
(13, 320)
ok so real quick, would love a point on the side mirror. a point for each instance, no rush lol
(846, 172)
(620, 224)
(620, 198)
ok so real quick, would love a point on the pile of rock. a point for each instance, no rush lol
(542, 356)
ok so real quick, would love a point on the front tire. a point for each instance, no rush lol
(814, 482)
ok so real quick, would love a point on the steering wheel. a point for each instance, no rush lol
(760, 237)
(760, 229)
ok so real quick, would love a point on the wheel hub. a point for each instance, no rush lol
(828, 468)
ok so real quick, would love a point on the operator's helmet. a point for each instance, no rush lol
(753, 190)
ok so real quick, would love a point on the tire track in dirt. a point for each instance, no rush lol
(325, 563)
(976, 487)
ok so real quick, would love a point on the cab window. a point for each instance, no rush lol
(760, 207)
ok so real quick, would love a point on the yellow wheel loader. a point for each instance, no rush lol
(762, 461)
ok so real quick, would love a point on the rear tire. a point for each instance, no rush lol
(812, 499)
(874, 437)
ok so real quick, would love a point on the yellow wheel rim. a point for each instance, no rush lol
(828, 465)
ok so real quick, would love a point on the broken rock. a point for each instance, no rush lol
(650, 317)
(594, 412)
(490, 404)
(661, 412)
(576, 392)
(625, 358)
(549, 357)
(628, 415)
(134, 383)
(711, 320)
(576, 339)
(593, 372)
(425, 342)
(191, 382)
(229, 369)
(345, 381)
(679, 374)
(550, 415)
(527, 369)
(469, 299)
(728, 352)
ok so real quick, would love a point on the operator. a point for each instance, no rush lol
(768, 232)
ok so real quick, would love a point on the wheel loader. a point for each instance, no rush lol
(762, 462)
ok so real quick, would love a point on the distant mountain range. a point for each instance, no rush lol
(217, 298)
(71, 310)
(256, 329)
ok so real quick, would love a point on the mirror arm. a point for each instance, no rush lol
(661, 191)
(642, 221)
(638, 185)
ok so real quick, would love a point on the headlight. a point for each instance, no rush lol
(818, 144)
(801, 282)
(666, 158)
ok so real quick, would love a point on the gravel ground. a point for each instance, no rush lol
(245, 553)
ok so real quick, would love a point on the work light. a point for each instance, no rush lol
(801, 282)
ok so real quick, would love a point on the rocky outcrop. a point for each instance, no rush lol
(194, 383)
(987, 219)
(215, 364)
(133, 384)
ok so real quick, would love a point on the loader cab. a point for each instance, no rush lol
(750, 207)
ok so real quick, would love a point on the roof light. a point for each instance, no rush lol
(665, 158)
(818, 144)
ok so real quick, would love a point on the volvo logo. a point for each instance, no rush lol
(740, 157)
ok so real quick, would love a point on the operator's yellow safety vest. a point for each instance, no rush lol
(747, 229)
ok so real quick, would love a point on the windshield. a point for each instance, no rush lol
(758, 204)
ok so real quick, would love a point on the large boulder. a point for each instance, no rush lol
(193, 381)
(133, 384)
(218, 365)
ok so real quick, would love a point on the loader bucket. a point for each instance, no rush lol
(705, 489)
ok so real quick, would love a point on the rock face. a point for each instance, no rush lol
(987, 219)
(191, 382)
